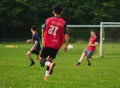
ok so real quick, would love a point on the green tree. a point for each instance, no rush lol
(16, 17)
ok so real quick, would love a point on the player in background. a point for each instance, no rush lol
(36, 46)
(89, 50)
(54, 33)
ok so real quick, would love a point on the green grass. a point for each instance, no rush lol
(104, 72)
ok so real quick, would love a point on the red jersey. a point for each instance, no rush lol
(92, 40)
(54, 32)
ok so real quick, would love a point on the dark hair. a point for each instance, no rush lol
(92, 31)
(33, 28)
(57, 9)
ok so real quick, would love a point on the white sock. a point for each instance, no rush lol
(47, 63)
(47, 73)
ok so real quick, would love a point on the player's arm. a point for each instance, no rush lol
(67, 41)
(29, 40)
(43, 28)
(42, 33)
(35, 44)
(95, 44)
(66, 37)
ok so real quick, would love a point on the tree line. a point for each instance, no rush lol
(17, 16)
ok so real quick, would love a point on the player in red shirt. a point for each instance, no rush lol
(89, 50)
(54, 33)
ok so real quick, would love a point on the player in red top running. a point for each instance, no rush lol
(89, 50)
(54, 33)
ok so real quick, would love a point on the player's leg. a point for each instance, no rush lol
(89, 62)
(49, 67)
(44, 61)
(29, 54)
(38, 58)
(49, 63)
(37, 55)
(81, 57)
(89, 56)
(43, 56)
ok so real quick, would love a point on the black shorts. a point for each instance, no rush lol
(35, 52)
(47, 51)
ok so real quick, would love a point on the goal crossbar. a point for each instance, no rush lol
(102, 25)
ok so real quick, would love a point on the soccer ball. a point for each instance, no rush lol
(70, 47)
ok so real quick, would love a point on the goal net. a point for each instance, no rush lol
(80, 34)
(110, 36)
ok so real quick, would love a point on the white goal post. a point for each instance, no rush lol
(102, 26)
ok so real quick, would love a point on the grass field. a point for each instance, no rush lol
(104, 72)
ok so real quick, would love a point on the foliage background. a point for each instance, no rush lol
(17, 16)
